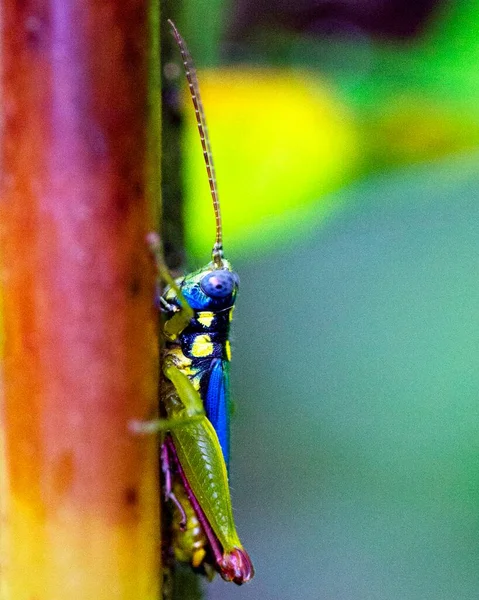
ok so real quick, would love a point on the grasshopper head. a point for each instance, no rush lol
(211, 288)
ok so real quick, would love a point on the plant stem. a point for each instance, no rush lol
(79, 493)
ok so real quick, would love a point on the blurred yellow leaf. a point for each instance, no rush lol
(280, 142)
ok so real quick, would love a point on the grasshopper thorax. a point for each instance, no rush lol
(210, 294)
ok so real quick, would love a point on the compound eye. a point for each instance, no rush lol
(218, 284)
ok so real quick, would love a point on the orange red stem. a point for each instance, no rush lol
(79, 493)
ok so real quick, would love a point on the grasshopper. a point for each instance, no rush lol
(197, 310)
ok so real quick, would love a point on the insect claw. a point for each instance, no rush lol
(153, 240)
(137, 427)
(183, 518)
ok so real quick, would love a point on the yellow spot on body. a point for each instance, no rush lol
(206, 318)
(228, 349)
(231, 313)
(188, 371)
(195, 379)
(181, 361)
(198, 556)
(202, 346)
(170, 294)
(184, 364)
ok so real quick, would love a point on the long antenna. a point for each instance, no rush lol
(205, 142)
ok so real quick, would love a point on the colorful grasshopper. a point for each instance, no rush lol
(197, 312)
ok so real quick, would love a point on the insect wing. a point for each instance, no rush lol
(230, 558)
(199, 455)
(216, 402)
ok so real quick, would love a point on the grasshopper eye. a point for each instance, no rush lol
(218, 284)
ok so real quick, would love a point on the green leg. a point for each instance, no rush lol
(161, 425)
(184, 406)
(201, 458)
(177, 323)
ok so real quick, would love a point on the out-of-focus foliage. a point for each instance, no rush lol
(355, 441)
(341, 107)
(355, 457)
(281, 140)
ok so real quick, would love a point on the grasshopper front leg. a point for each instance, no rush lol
(183, 315)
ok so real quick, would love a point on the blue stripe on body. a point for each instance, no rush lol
(217, 404)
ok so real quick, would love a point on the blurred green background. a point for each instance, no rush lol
(347, 145)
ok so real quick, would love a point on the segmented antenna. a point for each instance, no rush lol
(205, 142)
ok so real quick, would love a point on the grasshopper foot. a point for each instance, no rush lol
(138, 427)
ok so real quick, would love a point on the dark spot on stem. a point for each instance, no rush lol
(138, 189)
(131, 496)
(33, 32)
(135, 286)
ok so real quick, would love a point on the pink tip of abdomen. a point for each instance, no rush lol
(236, 566)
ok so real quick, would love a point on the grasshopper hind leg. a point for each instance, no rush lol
(168, 486)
